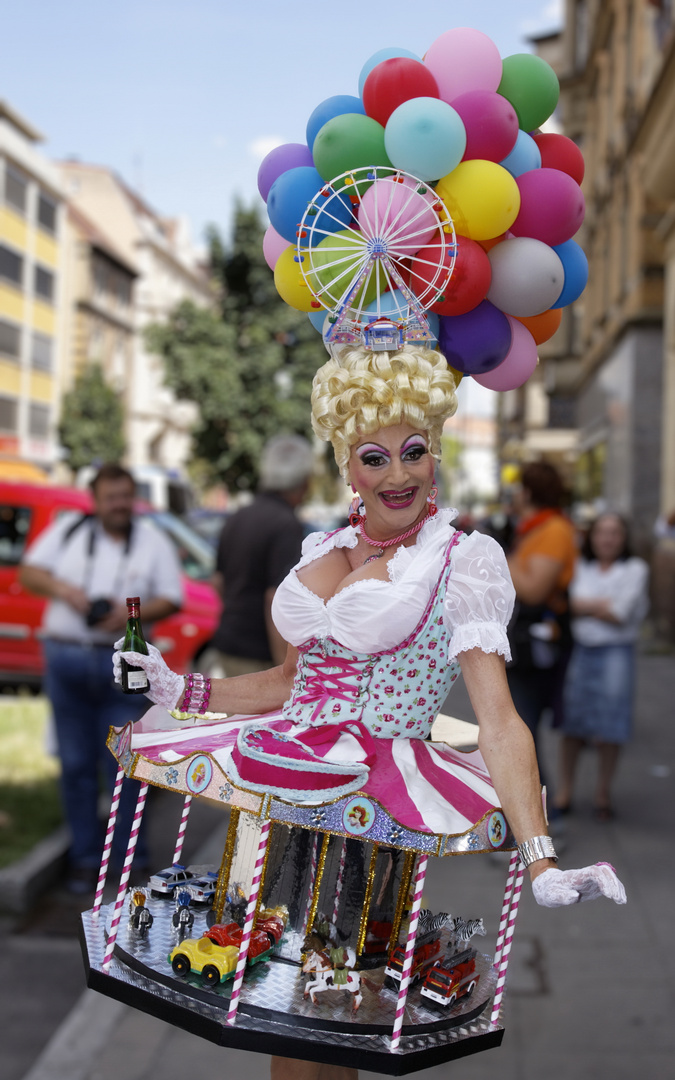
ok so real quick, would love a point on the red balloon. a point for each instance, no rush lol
(470, 279)
(491, 124)
(559, 152)
(394, 81)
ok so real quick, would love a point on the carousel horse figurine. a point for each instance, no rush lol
(330, 964)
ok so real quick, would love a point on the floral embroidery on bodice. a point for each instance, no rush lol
(395, 692)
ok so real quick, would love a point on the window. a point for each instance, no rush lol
(14, 526)
(9, 412)
(38, 421)
(41, 353)
(10, 339)
(46, 212)
(16, 189)
(11, 265)
(44, 283)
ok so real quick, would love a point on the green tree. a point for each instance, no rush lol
(92, 420)
(248, 365)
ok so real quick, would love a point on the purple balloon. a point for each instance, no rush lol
(280, 160)
(551, 206)
(476, 342)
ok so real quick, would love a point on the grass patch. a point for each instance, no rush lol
(30, 804)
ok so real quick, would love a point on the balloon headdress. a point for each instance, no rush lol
(430, 209)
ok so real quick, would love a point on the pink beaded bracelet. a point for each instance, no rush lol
(197, 693)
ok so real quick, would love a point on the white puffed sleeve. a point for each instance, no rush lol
(479, 597)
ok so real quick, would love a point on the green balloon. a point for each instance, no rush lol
(349, 141)
(531, 85)
(336, 261)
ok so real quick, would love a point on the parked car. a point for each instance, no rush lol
(27, 509)
(203, 889)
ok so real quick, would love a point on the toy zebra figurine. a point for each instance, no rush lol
(433, 924)
(464, 931)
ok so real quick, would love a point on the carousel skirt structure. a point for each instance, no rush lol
(310, 939)
(273, 1014)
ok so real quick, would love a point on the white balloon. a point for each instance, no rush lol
(527, 276)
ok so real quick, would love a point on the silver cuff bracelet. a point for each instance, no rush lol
(538, 847)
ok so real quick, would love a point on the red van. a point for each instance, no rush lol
(27, 509)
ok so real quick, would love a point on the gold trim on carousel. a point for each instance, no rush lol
(226, 864)
(403, 889)
(365, 911)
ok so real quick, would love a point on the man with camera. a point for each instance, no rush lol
(87, 564)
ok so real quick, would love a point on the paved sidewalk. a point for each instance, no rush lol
(589, 989)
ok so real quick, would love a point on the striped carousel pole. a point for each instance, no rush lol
(248, 922)
(514, 887)
(126, 870)
(107, 845)
(181, 828)
(418, 885)
(314, 861)
(340, 880)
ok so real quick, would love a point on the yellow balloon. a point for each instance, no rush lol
(482, 197)
(290, 282)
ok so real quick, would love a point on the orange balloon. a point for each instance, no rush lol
(487, 245)
(542, 327)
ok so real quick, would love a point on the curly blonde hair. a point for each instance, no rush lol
(360, 391)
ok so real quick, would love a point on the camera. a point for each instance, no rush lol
(98, 609)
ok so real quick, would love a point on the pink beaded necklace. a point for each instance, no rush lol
(382, 544)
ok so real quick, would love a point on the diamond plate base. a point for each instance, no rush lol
(274, 1016)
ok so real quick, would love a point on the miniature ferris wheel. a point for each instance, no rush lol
(376, 245)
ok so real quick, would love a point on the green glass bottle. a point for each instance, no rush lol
(134, 679)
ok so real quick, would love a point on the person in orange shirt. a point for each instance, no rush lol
(541, 564)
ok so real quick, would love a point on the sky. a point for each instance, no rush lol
(183, 98)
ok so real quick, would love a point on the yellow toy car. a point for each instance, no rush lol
(215, 963)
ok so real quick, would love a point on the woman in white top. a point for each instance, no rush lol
(608, 598)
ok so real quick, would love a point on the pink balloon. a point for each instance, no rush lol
(398, 214)
(273, 245)
(464, 59)
(552, 206)
(491, 124)
(518, 364)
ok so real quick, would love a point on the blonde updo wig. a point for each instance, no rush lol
(361, 391)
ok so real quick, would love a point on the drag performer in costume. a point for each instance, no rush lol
(378, 617)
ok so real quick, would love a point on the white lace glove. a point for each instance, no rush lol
(557, 888)
(166, 687)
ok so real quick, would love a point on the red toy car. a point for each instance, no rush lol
(230, 934)
(27, 509)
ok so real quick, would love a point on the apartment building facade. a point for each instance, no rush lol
(31, 250)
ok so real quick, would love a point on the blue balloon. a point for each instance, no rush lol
(331, 107)
(317, 319)
(525, 155)
(426, 137)
(575, 265)
(377, 58)
(434, 325)
(290, 196)
(476, 342)
(393, 305)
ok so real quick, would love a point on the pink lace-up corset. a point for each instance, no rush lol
(393, 693)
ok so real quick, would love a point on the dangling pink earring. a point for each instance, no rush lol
(354, 512)
(432, 509)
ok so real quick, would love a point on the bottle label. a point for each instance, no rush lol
(137, 680)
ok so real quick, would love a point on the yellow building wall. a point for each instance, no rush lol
(43, 318)
(10, 378)
(13, 227)
(12, 303)
(41, 386)
(46, 250)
